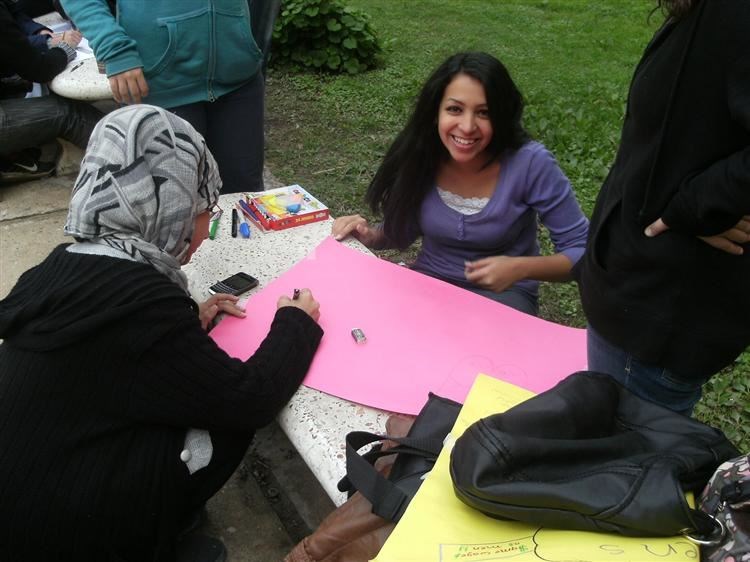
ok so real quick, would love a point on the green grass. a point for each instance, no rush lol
(572, 59)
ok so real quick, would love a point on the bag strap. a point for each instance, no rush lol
(388, 500)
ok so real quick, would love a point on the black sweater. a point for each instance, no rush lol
(684, 155)
(103, 368)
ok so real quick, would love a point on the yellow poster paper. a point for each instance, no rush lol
(438, 527)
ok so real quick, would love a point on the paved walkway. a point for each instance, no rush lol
(272, 500)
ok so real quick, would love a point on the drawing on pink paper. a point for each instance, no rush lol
(423, 335)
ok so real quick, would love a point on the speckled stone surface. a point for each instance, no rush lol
(315, 422)
(81, 80)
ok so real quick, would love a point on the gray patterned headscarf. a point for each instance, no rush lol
(146, 176)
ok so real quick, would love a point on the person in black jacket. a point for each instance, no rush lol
(664, 278)
(119, 415)
(27, 123)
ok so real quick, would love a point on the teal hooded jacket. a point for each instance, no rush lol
(189, 50)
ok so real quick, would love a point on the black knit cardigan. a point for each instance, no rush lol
(103, 369)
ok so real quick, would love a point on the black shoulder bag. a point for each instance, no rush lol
(590, 455)
(417, 453)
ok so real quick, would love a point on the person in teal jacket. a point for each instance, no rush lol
(197, 58)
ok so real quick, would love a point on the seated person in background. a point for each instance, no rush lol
(106, 364)
(41, 36)
(28, 123)
(464, 176)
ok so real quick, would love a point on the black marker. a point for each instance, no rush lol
(235, 218)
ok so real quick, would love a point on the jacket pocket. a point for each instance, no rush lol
(237, 57)
(183, 42)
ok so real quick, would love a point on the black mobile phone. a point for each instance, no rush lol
(234, 285)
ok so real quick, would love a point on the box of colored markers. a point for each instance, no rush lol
(283, 207)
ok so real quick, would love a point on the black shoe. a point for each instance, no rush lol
(50, 153)
(200, 548)
(25, 166)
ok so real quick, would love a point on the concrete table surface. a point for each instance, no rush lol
(81, 80)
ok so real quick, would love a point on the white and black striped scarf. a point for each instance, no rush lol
(146, 176)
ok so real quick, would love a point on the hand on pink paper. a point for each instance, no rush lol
(220, 302)
(304, 301)
(357, 226)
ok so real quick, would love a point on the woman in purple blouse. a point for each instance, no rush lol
(464, 175)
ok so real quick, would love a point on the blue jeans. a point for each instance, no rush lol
(512, 297)
(28, 122)
(233, 128)
(650, 382)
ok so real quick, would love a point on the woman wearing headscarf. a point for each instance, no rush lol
(106, 368)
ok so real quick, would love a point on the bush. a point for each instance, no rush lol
(325, 35)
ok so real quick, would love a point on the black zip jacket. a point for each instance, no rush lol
(684, 156)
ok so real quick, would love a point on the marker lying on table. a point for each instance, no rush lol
(212, 229)
(244, 227)
(214, 224)
(234, 223)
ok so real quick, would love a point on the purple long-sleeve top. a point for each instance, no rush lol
(530, 185)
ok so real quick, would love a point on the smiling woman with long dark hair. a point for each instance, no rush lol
(464, 176)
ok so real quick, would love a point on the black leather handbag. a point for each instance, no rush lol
(590, 455)
(416, 455)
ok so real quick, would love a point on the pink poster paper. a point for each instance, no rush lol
(422, 334)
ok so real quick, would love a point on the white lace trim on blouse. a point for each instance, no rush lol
(464, 205)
